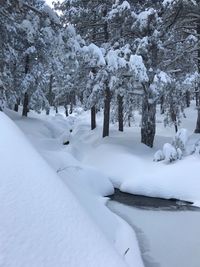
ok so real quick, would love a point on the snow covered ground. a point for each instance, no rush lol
(130, 164)
(52, 209)
(52, 196)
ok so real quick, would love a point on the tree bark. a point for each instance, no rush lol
(197, 97)
(120, 113)
(71, 107)
(16, 108)
(81, 97)
(148, 122)
(66, 110)
(93, 117)
(72, 103)
(162, 111)
(106, 119)
(50, 95)
(107, 97)
(25, 105)
(187, 97)
(197, 130)
(129, 120)
(174, 119)
(27, 64)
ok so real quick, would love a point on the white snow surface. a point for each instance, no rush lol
(52, 209)
(130, 165)
(52, 204)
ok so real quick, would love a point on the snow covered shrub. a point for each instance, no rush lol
(170, 153)
(179, 153)
(159, 156)
(181, 139)
(174, 151)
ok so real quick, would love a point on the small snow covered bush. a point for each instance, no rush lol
(181, 139)
(174, 151)
(159, 155)
(169, 152)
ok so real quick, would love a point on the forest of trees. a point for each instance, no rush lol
(115, 56)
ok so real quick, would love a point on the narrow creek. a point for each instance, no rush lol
(168, 231)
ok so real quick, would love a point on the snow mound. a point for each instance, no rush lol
(41, 222)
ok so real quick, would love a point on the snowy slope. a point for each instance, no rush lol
(42, 224)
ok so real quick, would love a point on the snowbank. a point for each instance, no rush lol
(180, 180)
(41, 222)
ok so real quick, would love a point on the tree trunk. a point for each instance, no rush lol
(148, 122)
(25, 105)
(129, 120)
(74, 98)
(162, 105)
(176, 127)
(197, 97)
(71, 102)
(50, 95)
(71, 107)
(174, 119)
(93, 117)
(66, 111)
(81, 98)
(106, 119)
(187, 96)
(120, 113)
(197, 130)
(27, 64)
(16, 108)
(107, 97)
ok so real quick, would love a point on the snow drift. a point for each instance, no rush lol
(41, 222)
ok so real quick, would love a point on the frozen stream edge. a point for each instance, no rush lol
(169, 236)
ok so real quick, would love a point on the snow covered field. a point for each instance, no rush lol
(52, 195)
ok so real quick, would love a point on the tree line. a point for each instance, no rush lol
(116, 56)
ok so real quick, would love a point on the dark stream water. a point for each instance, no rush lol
(144, 202)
